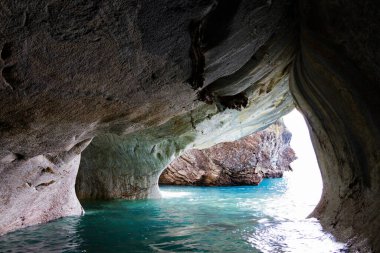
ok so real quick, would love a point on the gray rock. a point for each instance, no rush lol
(125, 71)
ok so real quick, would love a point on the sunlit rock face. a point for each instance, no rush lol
(247, 161)
(335, 81)
(129, 166)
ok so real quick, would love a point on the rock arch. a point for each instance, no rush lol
(158, 77)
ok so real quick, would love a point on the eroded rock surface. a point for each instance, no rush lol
(129, 166)
(264, 154)
(147, 79)
(183, 70)
(335, 81)
(39, 189)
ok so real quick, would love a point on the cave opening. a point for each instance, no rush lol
(269, 217)
(280, 204)
(138, 83)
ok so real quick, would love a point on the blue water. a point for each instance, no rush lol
(267, 218)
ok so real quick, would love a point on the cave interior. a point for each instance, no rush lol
(114, 90)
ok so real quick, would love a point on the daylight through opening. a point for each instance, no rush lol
(257, 198)
(268, 217)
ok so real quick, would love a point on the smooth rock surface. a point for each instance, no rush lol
(264, 154)
(129, 166)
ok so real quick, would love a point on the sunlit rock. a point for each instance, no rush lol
(264, 154)
(129, 166)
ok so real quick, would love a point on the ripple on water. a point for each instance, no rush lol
(264, 219)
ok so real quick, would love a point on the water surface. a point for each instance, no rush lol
(267, 218)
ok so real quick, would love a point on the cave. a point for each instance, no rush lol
(121, 88)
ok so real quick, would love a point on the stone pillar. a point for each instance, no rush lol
(39, 189)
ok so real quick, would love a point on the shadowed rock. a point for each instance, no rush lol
(173, 75)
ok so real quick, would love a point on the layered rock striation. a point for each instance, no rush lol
(264, 154)
(144, 79)
(149, 79)
(335, 81)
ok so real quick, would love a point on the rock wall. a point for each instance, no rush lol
(335, 82)
(71, 71)
(39, 189)
(264, 154)
(126, 159)
(129, 166)
(145, 79)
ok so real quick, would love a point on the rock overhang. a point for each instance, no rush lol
(72, 71)
(145, 79)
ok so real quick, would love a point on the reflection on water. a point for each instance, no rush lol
(59, 236)
(267, 218)
(173, 194)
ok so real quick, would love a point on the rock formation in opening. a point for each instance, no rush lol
(149, 79)
(264, 154)
(144, 79)
(129, 166)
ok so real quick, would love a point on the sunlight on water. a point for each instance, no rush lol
(168, 194)
(268, 218)
(200, 219)
(303, 188)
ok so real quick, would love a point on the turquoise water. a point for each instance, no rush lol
(267, 218)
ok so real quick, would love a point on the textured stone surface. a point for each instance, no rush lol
(73, 70)
(140, 76)
(39, 189)
(129, 166)
(247, 161)
(335, 81)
